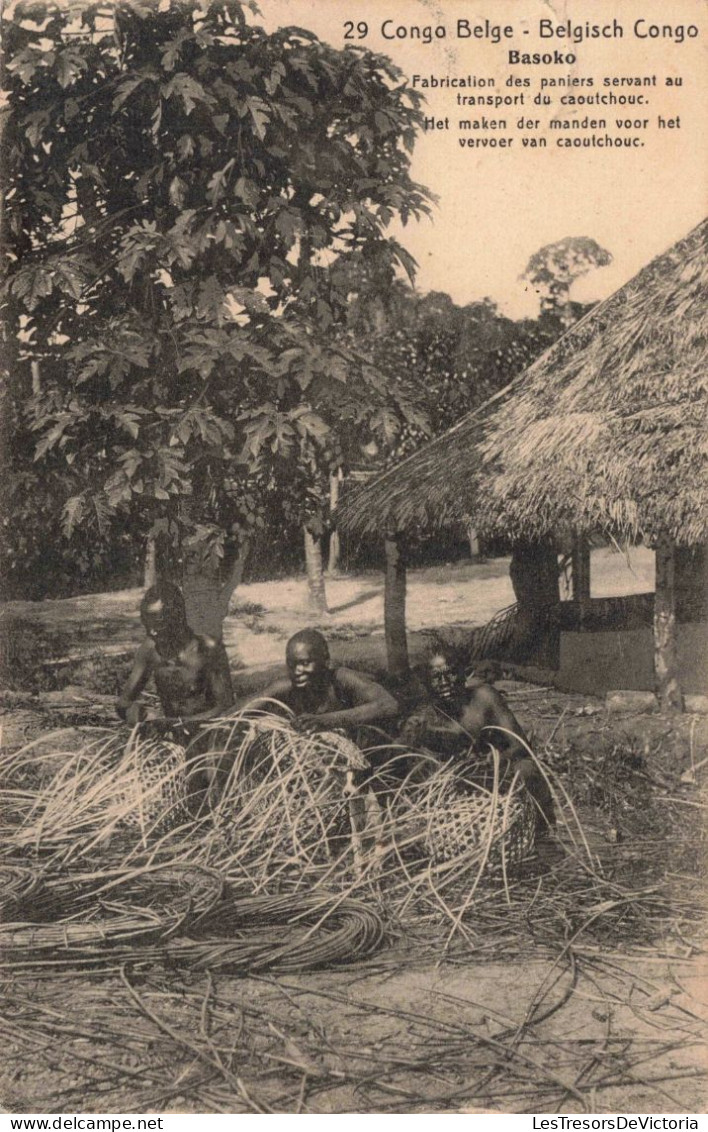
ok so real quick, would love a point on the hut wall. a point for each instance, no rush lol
(598, 662)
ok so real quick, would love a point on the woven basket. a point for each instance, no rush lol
(154, 789)
(309, 819)
(507, 825)
(449, 818)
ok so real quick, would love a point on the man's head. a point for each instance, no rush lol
(445, 673)
(162, 610)
(307, 658)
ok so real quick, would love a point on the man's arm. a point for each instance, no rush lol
(499, 715)
(279, 690)
(139, 675)
(501, 728)
(370, 702)
(424, 728)
(414, 729)
(218, 680)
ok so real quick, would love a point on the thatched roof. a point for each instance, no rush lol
(606, 430)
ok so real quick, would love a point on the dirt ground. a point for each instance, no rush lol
(264, 614)
(569, 998)
(615, 1033)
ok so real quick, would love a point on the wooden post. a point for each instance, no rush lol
(395, 607)
(334, 544)
(580, 569)
(665, 664)
(316, 595)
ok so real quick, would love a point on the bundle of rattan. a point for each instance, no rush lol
(179, 916)
(17, 885)
(90, 919)
(283, 933)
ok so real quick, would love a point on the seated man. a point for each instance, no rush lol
(325, 697)
(328, 698)
(191, 672)
(459, 723)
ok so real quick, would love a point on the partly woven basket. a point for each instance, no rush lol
(154, 788)
(302, 785)
(472, 822)
(450, 818)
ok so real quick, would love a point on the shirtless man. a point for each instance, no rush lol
(324, 697)
(459, 722)
(191, 672)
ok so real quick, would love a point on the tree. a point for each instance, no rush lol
(554, 268)
(187, 197)
(444, 359)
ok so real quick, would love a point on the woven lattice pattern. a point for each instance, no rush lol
(154, 788)
(450, 819)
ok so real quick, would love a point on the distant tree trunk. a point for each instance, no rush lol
(665, 663)
(580, 569)
(534, 573)
(334, 545)
(207, 594)
(473, 539)
(316, 594)
(395, 608)
(150, 570)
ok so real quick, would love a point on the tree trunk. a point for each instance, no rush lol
(534, 577)
(395, 608)
(334, 544)
(473, 539)
(665, 664)
(207, 595)
(204, 602)
(150, 570)
(580, 568)
(316, 595)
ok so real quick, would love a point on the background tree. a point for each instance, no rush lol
(553, 269)
(187, 197)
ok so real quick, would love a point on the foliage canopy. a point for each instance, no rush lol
(187, 201)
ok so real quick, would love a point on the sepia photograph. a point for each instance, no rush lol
(354, 558)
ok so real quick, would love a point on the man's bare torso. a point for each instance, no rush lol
(181, 681)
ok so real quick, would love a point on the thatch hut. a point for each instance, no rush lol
(606, 432)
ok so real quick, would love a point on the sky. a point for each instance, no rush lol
(497, 207)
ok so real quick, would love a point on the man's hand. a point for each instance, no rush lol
(151, 728)
(173, 730)
(308, 723)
